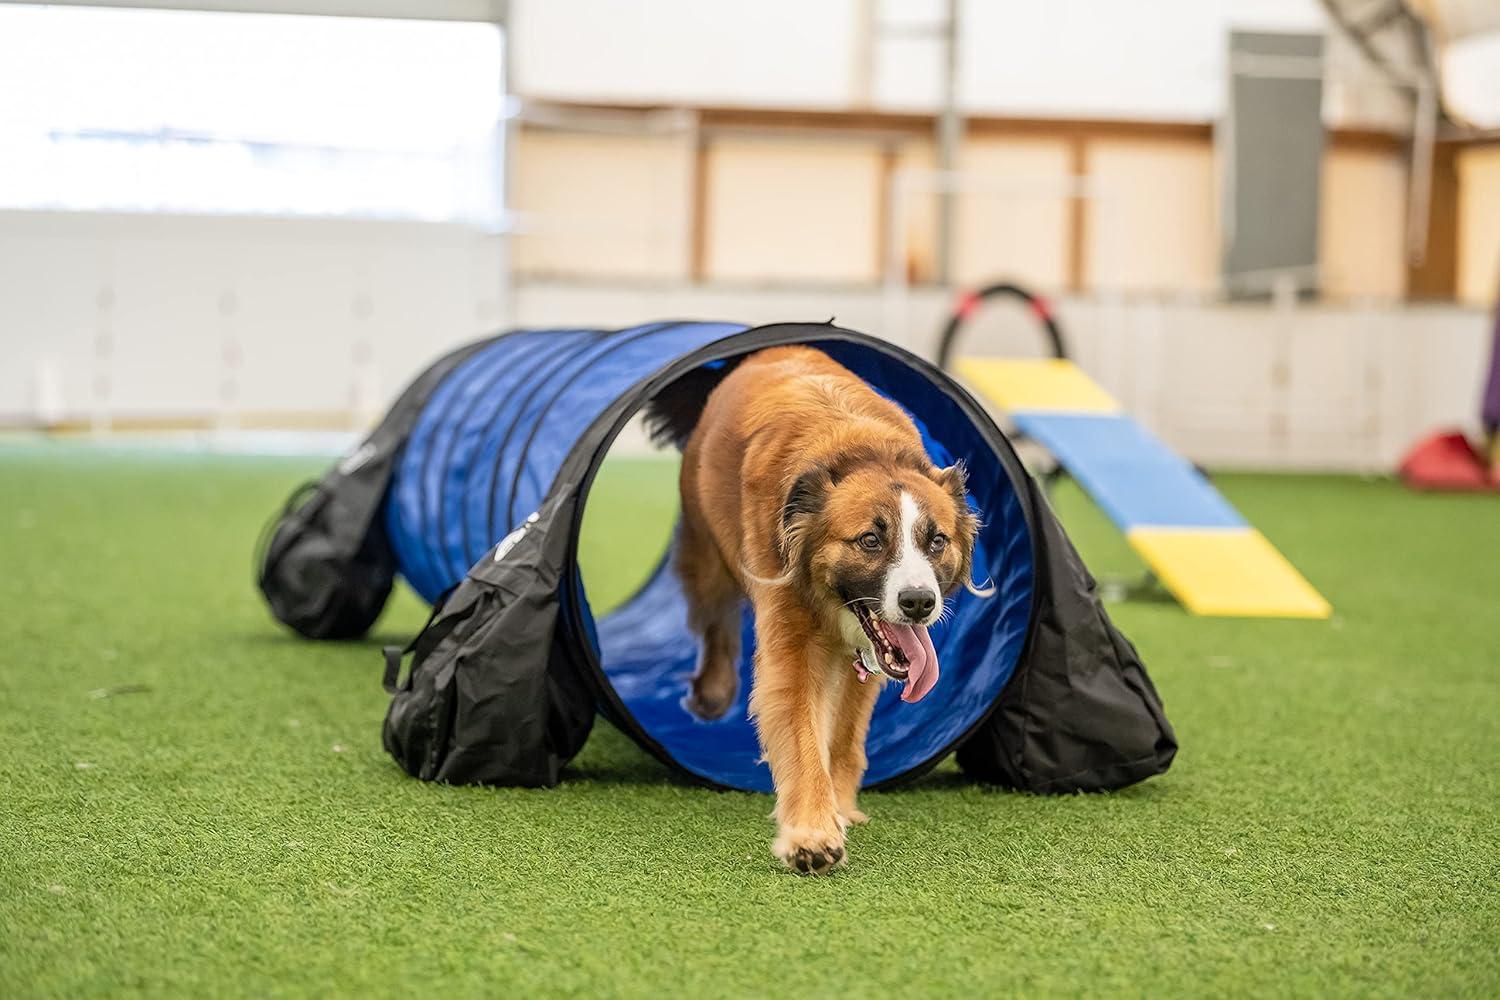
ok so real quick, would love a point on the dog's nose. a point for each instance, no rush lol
(916, 602)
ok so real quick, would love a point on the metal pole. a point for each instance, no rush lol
(949, 135)
(863, 69)
(506, 134)
(1423, 138)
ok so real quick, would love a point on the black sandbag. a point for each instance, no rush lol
(1079, 713)
(327, 567)
(495, 694)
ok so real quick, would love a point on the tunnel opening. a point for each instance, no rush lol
(499, 429)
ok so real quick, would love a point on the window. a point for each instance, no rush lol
(196, 112)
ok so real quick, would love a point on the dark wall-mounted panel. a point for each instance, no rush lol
(1271, 146)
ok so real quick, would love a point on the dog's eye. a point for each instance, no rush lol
(938, 544)
(869, 541)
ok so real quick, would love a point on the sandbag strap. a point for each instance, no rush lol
(393, 657)
(395, 654)
(262, 550)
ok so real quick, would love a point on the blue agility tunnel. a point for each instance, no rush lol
(482, 485)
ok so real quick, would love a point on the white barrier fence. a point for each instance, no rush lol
(119, 322)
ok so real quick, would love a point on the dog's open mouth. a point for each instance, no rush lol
(901, 652)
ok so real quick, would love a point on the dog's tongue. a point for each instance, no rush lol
(921, 659)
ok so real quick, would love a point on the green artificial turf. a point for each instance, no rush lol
(193, 802)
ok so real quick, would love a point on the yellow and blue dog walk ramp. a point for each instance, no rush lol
(1203, 551)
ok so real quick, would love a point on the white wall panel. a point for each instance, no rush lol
(305, 288)
(167, 325)
(772, 52)
(51, 290)
(1093, 58)
(322, 309)
(1069, 58)
(232, 318)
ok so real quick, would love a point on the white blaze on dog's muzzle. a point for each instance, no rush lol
(911, 585)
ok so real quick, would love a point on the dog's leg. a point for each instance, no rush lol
(846, 750)
(791, 717)
(713, 600)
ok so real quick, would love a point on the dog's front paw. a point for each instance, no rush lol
(809, 851)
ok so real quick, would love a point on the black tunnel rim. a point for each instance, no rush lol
(595, 442)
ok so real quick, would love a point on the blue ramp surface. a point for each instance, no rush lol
(1136, 479)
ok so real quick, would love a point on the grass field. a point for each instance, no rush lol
(192, 802)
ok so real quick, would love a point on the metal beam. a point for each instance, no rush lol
(950, 126)
(490, 11)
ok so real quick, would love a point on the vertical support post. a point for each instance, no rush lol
(1419, 193)
(1078, 212)
(231, 359)
(862, 66)
(698, 208)
(949, 137)
(894, 283)
(101, 417)
(506, 133)
(890, 154)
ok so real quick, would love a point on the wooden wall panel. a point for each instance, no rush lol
(1362, 228)
(1479, 225)
(792, 210)
(1153, 226)
(603, 206)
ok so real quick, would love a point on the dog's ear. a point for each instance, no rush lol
(804, 501)
(955, 481)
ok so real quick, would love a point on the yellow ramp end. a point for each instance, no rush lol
(1042, 384)
(1231, 573)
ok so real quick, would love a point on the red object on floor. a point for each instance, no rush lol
(1447, 462)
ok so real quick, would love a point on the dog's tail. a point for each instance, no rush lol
(672, 413)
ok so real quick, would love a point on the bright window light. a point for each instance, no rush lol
(1471, 79)
(196, 112)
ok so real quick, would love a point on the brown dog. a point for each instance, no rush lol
(812, 495)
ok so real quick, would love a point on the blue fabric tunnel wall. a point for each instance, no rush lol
(492, 437)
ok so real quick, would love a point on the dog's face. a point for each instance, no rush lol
(880, 543)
